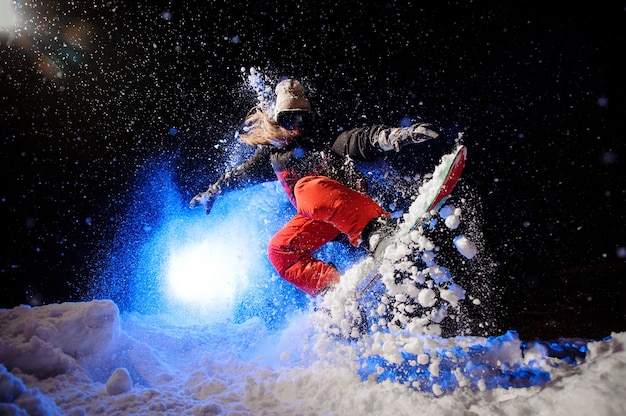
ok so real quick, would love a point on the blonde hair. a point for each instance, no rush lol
(259, 128)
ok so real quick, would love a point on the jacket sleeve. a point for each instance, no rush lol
(360, 143)
(255, 170)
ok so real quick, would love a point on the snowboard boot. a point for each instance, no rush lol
(377, 236)
(398, 137)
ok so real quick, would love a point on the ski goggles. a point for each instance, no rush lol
(289, 119)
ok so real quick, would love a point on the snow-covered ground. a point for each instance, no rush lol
(84, 359)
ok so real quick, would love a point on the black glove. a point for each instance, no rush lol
(205, 198)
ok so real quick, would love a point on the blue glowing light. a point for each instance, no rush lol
(208, 274)
(174, 260)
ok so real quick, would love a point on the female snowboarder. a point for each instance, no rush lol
(320, 179)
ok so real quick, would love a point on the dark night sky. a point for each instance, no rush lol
(90, 93)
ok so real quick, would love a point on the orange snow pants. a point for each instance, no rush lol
(325, 209)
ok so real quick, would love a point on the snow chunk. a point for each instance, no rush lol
(451, 216)
(446, 211)
(427, 298)
(423, 359)
(453, 294)
(452, 222)
(465, 246)
(119, 382)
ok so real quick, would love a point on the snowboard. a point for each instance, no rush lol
(436, 191)
(431, 197)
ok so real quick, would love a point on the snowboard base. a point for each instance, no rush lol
(432, 196)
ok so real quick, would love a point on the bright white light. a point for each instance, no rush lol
(208, 274)
(8, 18)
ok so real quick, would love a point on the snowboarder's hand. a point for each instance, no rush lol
(204, 198)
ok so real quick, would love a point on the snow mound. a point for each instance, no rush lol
(49, 341)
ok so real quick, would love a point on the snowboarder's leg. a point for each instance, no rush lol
(291, 253)
(327, 200)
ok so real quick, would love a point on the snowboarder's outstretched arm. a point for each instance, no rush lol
(367, 143)
(253, 171)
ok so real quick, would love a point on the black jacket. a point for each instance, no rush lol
(308, 155)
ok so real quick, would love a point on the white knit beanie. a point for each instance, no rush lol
(291, 95)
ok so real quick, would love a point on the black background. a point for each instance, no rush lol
(90, 94)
